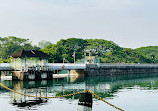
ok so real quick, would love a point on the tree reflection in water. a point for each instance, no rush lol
(104, 86)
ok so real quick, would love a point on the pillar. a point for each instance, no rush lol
(0, 75)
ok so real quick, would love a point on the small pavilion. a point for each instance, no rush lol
(91, 60)
(28, 59)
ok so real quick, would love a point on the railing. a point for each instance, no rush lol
(59, 66)
(34, 68)
(51, 66)
(5, 66)
(66, 66)
(130, 65)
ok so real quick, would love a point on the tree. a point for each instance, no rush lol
(73, 44)
(11, 44)
(65, 49)
(150, 52)
(99, 47)
(42, 44)
(107, 51)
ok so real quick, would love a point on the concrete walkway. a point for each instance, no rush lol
(63, 75)
(6, 77)
(54, 76)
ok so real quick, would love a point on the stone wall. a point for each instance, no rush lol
(97, 70)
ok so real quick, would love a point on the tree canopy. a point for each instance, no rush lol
(11, 44)
(107, 51)
(65, 49)
(150, 52)
(43, 43)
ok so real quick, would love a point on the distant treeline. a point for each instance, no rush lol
(107, 51)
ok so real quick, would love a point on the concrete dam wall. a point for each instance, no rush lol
(119, 69)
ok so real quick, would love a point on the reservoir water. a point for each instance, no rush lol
(128, 92)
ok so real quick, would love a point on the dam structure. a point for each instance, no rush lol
(119, 69)
(33, 65)
(89, 69)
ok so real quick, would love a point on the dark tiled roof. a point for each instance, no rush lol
(30, 53)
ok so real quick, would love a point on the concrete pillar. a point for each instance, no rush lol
(68, 78)
(69, 73)
(52, 72)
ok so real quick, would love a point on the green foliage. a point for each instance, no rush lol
(107, 51)
(100, 47)
(65, 49)
(126, 55)
(42, 44)
(150, 52)
(11, 44)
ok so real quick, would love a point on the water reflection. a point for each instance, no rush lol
(105, 87)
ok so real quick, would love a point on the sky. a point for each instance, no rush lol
(129, 23)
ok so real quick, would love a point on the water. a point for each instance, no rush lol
(129, 92)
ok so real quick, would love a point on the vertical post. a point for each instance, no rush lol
(25, 96)
(36, 93)
(63, 60)
(46, 89)
(25, 62)
(54, 71)
(68, 76)
(51, 73)
(40, 92)
(0, 75)
(74, 57)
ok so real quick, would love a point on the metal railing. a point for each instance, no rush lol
(130, 65)
(59, 66)
(5, 66)
(66, 66)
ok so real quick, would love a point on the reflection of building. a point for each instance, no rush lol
(24, 101)
(104, 87)
(45, 89)
(29, 103)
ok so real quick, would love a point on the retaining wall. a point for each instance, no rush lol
(119, 69)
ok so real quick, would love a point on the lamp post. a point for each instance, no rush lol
(64, 56)
(63, 60)
(74, 56)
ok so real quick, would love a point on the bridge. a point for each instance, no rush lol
(82, 66)
(50, 66)
(92, 69)
(66, 66)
